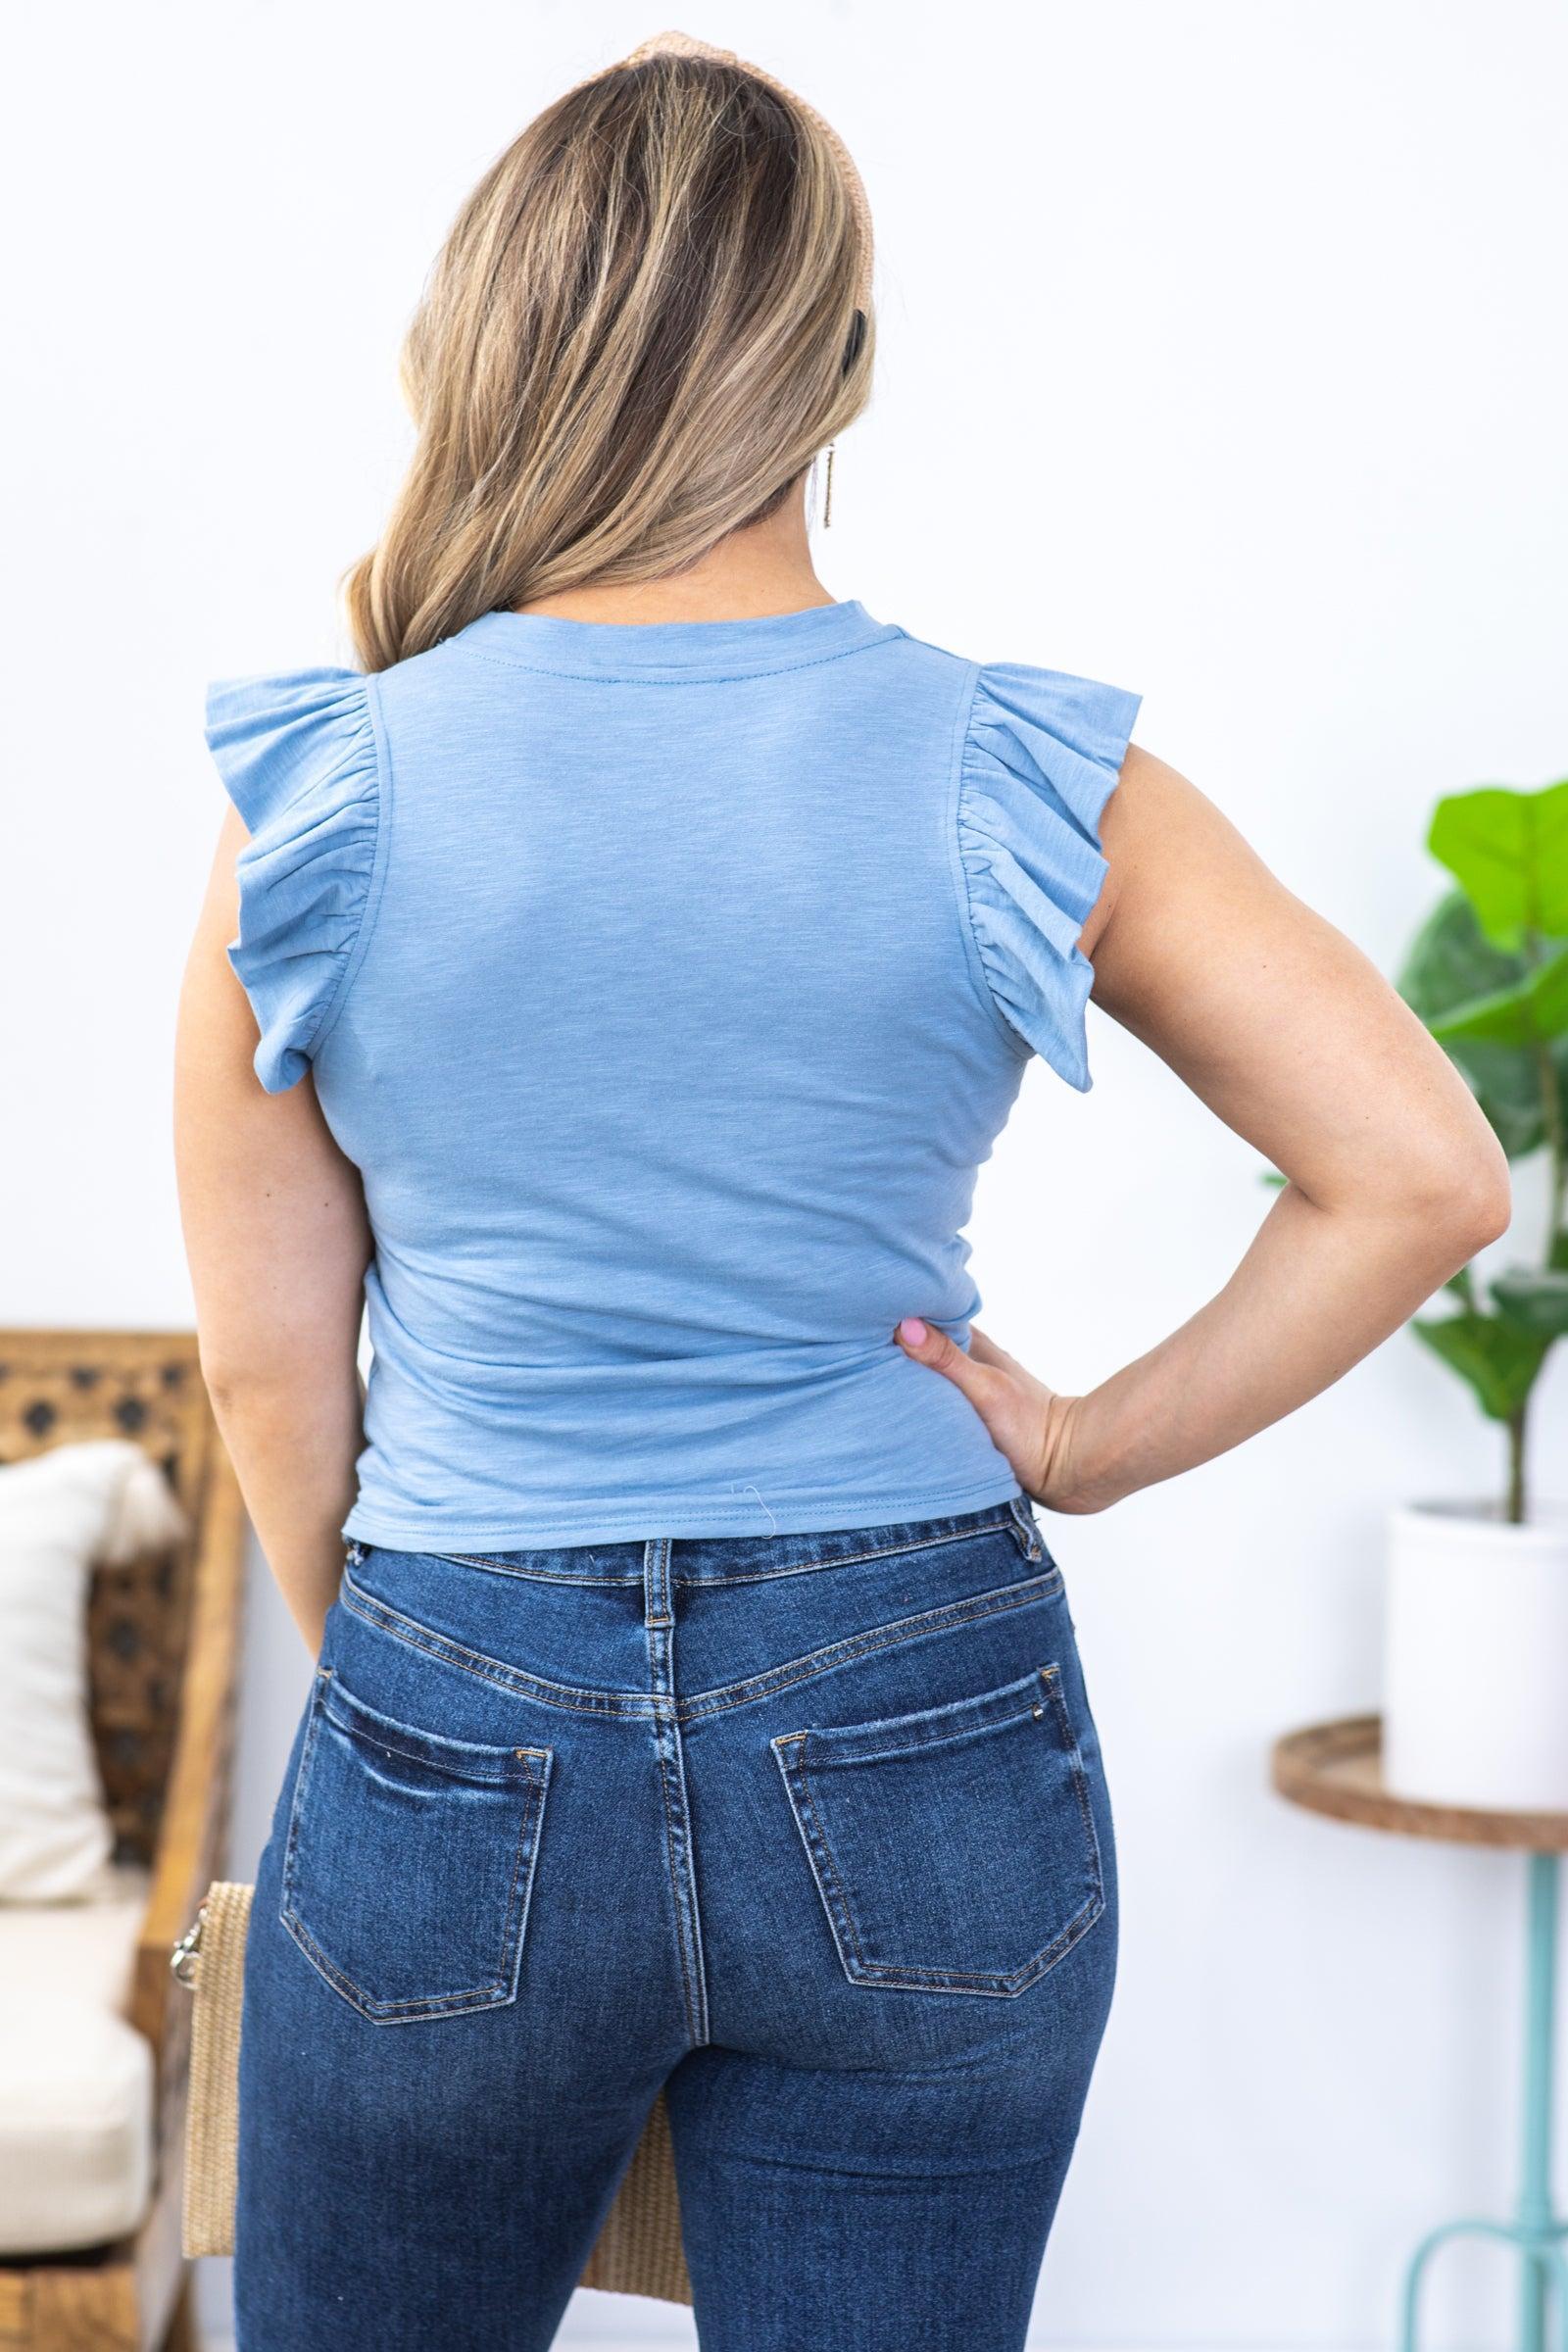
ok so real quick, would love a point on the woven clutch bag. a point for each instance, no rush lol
(638, 2250)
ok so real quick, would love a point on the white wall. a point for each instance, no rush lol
(1222, 354)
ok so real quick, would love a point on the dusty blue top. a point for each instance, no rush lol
(669, 984)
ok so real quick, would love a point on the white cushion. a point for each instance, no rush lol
(75, 2081)
(59, 1513)
(83, 1950)
(75, 2127)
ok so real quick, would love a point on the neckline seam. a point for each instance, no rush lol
(679, 675)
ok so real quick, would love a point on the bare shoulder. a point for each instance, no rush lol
(1166, 844)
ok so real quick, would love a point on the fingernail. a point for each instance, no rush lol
(912, 1332)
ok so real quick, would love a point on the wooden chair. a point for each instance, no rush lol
(164, 1636)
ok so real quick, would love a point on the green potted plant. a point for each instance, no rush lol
(1476, 1663)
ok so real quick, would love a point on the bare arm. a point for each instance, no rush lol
(1286, 1031)
(277, 1240)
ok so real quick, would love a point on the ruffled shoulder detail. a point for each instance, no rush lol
(298, 756)
(1041, 758)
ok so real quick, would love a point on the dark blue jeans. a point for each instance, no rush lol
(809, 1830)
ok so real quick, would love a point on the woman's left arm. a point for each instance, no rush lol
(278, 1242)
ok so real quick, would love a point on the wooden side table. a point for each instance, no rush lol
(1337, 1769)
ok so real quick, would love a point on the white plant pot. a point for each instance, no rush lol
(1475, 1673)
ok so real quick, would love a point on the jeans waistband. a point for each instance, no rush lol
(740, 1560)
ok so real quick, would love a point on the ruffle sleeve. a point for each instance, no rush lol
(1041, 758)
(298, 756)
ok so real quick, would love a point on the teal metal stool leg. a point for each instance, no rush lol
(1535, 2232)
(1537, 2224)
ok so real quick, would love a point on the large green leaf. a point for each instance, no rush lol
(1533, 1010)
(1535, 1301)
(1506, 1081)
(1508, 851)
(1453, 964)
(1499, 1360)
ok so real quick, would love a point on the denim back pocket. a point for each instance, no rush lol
(953, 1850)
(410, 1860)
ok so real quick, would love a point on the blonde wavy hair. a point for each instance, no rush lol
(649, 317)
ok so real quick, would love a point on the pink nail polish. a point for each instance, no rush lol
(912, 1332)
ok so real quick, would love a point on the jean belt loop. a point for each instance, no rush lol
(1024, 1521)
(657, 1608)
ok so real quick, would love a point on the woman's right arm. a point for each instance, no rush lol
(1294, 1038)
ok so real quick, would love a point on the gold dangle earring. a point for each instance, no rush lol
(827, 490)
